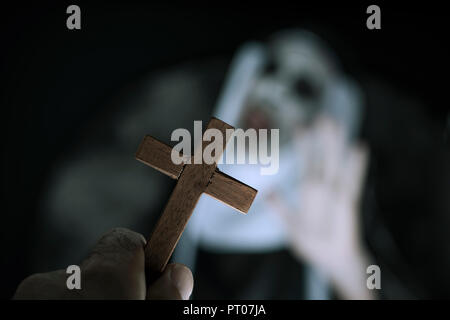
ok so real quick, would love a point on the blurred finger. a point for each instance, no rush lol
(115, 266)
(176, 283)
(355, 171)
(304, 145)
(44, 286)
(119, 247)
(330, 141)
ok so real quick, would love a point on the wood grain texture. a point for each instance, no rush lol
(156, 154)
(230, 191)
(192, 182)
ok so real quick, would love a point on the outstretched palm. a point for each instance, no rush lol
(323, 228)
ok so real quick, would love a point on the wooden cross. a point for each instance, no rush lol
(193, 180)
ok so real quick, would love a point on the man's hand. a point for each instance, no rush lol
(113, 270)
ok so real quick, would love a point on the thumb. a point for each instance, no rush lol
(175, 283)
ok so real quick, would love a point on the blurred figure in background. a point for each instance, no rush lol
(311, 205)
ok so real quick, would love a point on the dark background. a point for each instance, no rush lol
(56, 80)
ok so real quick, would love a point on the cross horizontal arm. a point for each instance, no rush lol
(156, 154)
(230, 191)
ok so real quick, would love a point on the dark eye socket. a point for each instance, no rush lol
(306, 88)
(270, 68)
